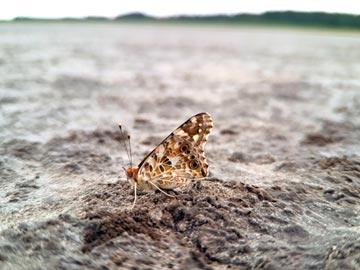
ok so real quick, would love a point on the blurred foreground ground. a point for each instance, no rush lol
(284, 191)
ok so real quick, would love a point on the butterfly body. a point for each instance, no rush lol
(177, 159)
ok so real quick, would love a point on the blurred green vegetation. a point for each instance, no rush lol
(286, 18)
(282, 17)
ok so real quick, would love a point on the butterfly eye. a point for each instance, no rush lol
(194, 164)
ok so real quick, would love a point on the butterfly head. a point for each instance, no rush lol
(131, 174)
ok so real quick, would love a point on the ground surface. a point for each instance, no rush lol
(284, 191)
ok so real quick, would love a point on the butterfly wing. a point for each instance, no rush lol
(180, 156)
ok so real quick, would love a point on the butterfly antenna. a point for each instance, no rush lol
(130, 150)
(123, 139)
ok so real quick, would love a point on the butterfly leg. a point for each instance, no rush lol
(135, 195)
(172, 196)
(174, 191)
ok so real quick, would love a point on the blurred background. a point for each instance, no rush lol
(67, 65)
(280, 79)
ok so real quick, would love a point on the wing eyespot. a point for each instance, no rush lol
(185, 149)
(194, 164)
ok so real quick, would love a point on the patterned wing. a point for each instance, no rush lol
(180, 156)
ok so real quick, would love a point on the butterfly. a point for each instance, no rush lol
(178, 159)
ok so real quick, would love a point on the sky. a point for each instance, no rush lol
(111, 8)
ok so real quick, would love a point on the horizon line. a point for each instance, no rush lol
(173, 15)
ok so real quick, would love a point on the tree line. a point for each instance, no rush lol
(316, 19)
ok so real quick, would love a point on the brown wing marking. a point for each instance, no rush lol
(179, 156)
